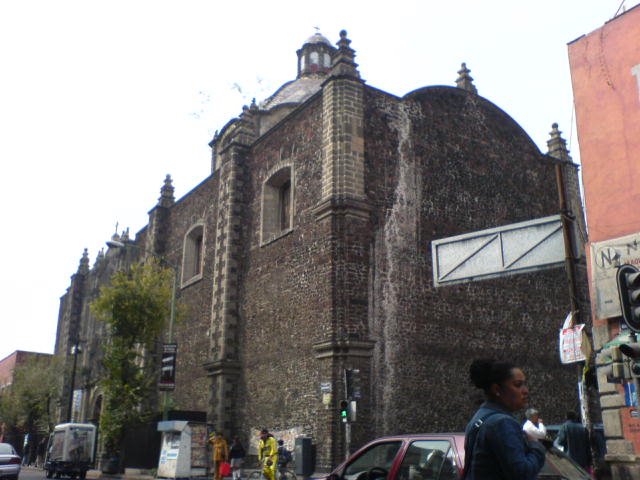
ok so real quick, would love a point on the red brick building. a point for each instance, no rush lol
(7, 368)
(307, 252)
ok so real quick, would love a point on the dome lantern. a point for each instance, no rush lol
(315, 56)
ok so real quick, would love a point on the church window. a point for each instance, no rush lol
(314, 58)
(327, 60)
(277, 204)
(193, 254)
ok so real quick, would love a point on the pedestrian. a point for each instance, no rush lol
(219, 453)
(268, 454)
(573, 437)
(42, 449)
(533, 427)
(495, 445)
(236, 454)
(284, 457)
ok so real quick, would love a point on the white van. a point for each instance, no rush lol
(71, 450)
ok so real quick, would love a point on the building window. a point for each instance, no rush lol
(193, 254)
(277, 204)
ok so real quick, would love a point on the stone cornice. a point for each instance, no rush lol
(342, 206)
(222, 367)
(343, 348)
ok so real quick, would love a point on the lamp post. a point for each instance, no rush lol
(172, 312)
(75, 350)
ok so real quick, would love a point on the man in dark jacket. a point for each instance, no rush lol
(573, 437)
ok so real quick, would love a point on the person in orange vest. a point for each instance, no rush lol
(220, 453)
(268, 454)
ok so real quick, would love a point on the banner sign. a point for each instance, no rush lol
(571, 338)
(168, 367)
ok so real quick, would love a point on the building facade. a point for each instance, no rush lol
(306, 253)
(605, 71)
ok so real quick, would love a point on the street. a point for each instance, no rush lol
(31, 473)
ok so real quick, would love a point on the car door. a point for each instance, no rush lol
(374, 463)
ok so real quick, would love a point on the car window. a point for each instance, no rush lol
(428, 460)
(373, 464)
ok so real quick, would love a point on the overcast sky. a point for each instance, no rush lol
(100, 100)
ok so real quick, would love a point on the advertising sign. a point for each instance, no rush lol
(606, 257)
(496, 252)
(168, 367)
(571, 344)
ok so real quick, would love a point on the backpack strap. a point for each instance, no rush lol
(472, 439)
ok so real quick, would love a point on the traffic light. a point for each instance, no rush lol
(628, 278)
(617, 370)
(632, 350)
(344, 411)
(352, 383)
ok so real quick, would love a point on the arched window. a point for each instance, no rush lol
(193, 254)
(277, 204)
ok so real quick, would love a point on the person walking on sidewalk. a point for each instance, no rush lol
(573, 437)
(268, 454)
(220, 453)
(236, 454)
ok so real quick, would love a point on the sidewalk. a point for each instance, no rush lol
(129, 474)
(138, 474)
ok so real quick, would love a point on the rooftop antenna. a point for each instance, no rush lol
(619, 8)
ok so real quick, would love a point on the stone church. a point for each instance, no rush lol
(307, 252)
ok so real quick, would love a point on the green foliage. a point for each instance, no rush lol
(135, 307)
(27, 405)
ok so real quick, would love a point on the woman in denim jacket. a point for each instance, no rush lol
(496, 448)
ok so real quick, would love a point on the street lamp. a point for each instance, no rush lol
(120, 245)
(75, 350)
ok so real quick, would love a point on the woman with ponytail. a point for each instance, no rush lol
(496, 448)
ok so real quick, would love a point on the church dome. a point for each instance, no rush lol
(318, 38)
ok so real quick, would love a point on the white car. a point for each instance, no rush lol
(9, 462)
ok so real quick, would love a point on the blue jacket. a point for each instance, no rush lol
(501, 450)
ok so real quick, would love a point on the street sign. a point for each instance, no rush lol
(606, 257)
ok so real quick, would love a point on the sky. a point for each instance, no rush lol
(99, 100)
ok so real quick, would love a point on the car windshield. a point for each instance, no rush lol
(6, 449)
(374, 463)
(558, 464)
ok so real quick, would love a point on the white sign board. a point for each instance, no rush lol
(605, 258)
(571, 344)
(516, 248)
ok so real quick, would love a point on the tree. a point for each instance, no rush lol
(135, 308)
(27, 405)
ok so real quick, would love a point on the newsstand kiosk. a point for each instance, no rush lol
(175, 450)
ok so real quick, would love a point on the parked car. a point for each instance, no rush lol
(9, 462)
(431, 457)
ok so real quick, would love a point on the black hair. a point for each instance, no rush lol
(572, 416)
(485, 372)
